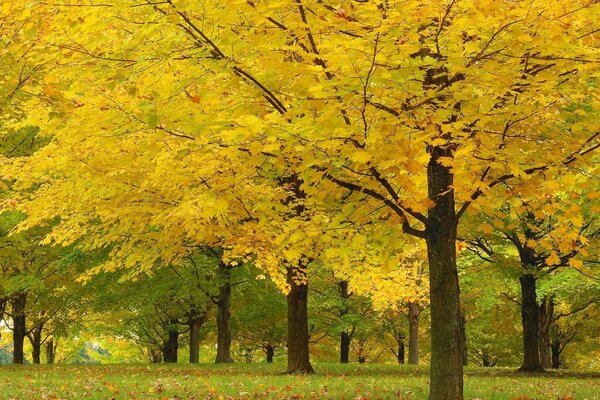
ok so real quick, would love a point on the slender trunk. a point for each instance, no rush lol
(400, 354)
(297, 335)
(195, 324)
(345, 335)
(413, 333)
(344, 347)
(529, 317)
(545, 317)
(171, 344)
(446, 371)
(555, 355)
(36, 345)
(50, 351)
(224, 317)
(270, 350)
(19, 300)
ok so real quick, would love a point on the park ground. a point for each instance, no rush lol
(264, 381)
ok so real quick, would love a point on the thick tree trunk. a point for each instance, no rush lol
(529, 317)
(171, 344)
(36, 345)
(413, 333)
(344, 347)
(545, 317)
(270, 350)
(18, 303)
(446, 371)
(555, 355)
(195, 323)
(298, 360)
(224, 317)
(50, 351)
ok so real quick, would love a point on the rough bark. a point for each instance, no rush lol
(270, 350)
(171, 344)
(50, 351)
(530, 322)
(413, 333)
(446, 371)
(195, 324)
(224, 317)
(298, 360)
(18, 303)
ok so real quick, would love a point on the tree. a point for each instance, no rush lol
(415, 110)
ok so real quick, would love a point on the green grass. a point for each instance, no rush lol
(262, 381)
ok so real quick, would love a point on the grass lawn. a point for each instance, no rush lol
(263, 381)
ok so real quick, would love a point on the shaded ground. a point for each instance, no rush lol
(262, 381)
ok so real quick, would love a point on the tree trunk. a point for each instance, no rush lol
(36, 345)
(345, 335)
(529, 317)
(555, 355)
(171, 345)
(224, 317)
(413, 333)
(446, 371)
(50, 351)
(344, 347)
(298, 360)
(195, 323)
(545, 317)
(19, 300)
(270, 350)
(400, 354)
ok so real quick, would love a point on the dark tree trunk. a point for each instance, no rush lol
(36, 345)
(345, 337)
(171, 345)
(555, 355)
(19, 300)
(270, 350)
(529, 317)
(224, 317)
(413, 333)
(50, 351)
(344, 347)
(446, 371)
(195, 323)
(545, 317)
(297, 335)
(400, 354)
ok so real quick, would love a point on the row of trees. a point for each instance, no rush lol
(375, 138)
(161, 315)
